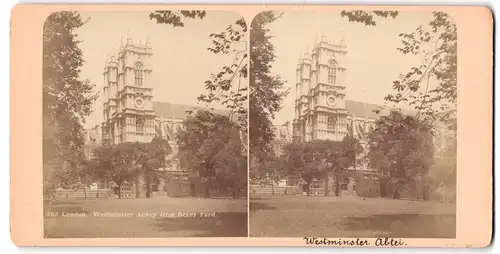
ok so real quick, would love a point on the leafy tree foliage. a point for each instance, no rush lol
(401, 148)
(151, 157)
(116, 163)
(231, 163)
(227, 87)
(340, 156)
(319, 158)
(431, 88)
(440, 65)
(154, 154)
(436, 43)
(174, 18)
(126, 162)
(271, 170)
(219, 162)
(366, 17)
(67, 100)
(210, 146)
(266, 91)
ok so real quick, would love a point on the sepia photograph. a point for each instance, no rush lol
(251, 125)
(353, 124)
(145, 124)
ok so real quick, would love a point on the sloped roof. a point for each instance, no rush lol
(165, 109)
(359, 109)
(362, 109)
(178, 111)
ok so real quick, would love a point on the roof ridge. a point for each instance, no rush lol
(176, 110)
(367, 103)
(178, 104)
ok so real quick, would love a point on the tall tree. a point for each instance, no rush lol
(401, 148)
(67, 99)
(128, 161)
(267, 91)
(431, 88)
(227, 87)
(150, 157)
(437, 102)
(231, 163)
(321, 158)
(117, 163)
(302, 161)
(210, 146)
(271, 170)
(339, 157)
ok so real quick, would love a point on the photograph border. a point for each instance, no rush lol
(475, 127)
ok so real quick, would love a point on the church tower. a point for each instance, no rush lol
(320, 108)
(128, 93)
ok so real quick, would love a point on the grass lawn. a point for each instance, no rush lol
(300, 216)
(227, 218)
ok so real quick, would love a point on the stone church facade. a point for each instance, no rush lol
(130, 114)
(323, 112)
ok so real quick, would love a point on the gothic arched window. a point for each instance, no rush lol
(331, 123)
(332, 73)
(139, 125)
(138, 74)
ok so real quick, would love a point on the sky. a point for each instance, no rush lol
(373, 62)
(180, 62)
